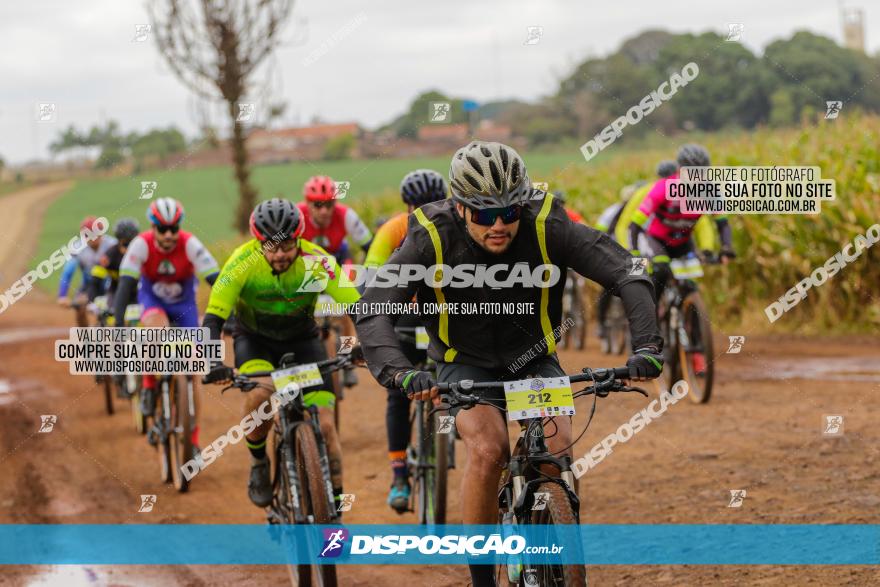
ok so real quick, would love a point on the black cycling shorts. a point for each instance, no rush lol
(306, 350)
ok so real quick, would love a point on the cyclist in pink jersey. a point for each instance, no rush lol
(667, 228)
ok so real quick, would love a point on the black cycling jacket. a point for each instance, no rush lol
(546, 235)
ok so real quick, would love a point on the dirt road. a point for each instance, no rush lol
(762, 432)
(759, 433)
(21, 212)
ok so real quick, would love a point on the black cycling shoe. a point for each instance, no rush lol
(153, 435)
(148, 401)
(260, 484)
(121, 389)
(349, 377)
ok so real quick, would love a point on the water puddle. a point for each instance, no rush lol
(13, 335)
(825, 369)
(66, 575)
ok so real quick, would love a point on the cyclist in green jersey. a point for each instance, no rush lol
(273, 282)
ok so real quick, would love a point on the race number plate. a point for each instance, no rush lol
(422, 340)
(133, 312)
(538, 398)
(306, 375)
(689, 268)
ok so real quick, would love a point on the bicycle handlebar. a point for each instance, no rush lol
(246, 382)
(604, 381)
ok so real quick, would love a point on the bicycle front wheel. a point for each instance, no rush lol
(558, 511)
(107, 384)
(696, 357)
(313, 498)
(441, 472)
(134, 383)
(180, 434)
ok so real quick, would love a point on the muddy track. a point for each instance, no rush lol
(758, 434)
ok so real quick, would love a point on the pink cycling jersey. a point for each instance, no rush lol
(663, 219)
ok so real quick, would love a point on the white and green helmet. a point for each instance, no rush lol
(489, 175)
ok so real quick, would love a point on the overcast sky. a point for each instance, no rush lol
(81, 55)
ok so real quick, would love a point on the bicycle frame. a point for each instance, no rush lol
(164, 383)
(517, 492)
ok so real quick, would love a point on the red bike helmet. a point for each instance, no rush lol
(319, 188)
(87, 222)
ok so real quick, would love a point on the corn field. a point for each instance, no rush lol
(776, 251)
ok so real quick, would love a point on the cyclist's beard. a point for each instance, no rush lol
(166, 243)
(280, 265)
(495, 241)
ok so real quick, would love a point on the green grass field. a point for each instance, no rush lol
(210, 195)
(774, 251)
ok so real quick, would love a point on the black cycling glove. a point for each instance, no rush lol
(218, 373)
(413, 381)
(645, 363)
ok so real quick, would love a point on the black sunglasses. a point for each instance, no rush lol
(323, 204)
(488, 216)
(163, 228)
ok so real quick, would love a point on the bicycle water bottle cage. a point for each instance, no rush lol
(287, 359)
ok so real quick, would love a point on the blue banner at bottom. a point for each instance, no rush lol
(663, 544)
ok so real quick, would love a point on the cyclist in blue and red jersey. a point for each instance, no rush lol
(168, 263)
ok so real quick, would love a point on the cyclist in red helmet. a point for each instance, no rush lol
(329, 225)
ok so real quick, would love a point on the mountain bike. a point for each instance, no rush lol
(128, 386)
(574, 313)
(172, 428)
(685, 327)
(103, 317)
(615, 337)
(328, 318)
(431, 452)
(526, 478)
(303, 491)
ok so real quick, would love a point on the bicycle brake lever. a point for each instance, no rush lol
(440, 408)
(636, 389)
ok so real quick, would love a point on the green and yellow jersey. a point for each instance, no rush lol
(278, 306)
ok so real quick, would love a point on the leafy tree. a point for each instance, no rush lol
(216, 48)
(340, 147)
(159, 143)
(814, 69)
(418, 115)
(730, 88)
